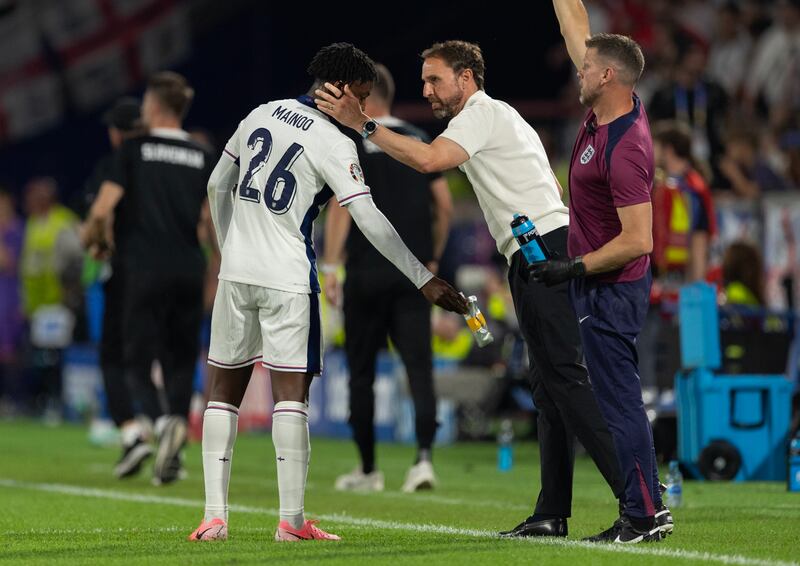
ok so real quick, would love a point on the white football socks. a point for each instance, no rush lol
(219, 434)
(292, 451)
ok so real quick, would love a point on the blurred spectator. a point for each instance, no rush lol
(49, 227)
(50, 275)
(744, 171)
(730, 49)
(11, 317)
(743, 275)
(683, 212)
(683, 225)
(693, 99)
(774, 75)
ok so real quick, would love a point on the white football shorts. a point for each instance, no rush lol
(280, 329)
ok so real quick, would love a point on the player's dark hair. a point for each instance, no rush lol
(342, 62)
(623, 51)
(459, 55)
(384, 85)
(173, 91)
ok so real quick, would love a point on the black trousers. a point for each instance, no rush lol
(163, 314)
(560, 385)
(118, 392)
(376, 306)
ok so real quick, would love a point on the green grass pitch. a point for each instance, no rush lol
(61, 506)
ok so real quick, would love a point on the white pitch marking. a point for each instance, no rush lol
(646, 550)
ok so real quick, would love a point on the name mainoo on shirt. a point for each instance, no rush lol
(295, 119)
(173, 154)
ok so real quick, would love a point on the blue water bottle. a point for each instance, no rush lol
(529, 240)
(505, 446)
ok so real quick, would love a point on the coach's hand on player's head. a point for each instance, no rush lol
(341, 105)
(555, 271)
(439, 292)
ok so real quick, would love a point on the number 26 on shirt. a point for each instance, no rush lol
(281, 185)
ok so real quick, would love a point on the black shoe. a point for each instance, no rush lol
(167, 467)
(538, 528)
(609, 534)
(132, 458)
(664, 520)
(622, 532)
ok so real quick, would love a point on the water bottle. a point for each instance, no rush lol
(529, 240)
(477, 323)
(794, 464)
(505, 447)
(674, 493)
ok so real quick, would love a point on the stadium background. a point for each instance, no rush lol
(62, 64)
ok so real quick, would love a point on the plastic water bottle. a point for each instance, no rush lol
(477, 323)
(529, 240)
(794, 464)
(674, 494)
(505, 446)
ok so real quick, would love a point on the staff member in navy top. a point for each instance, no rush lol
(610, 237)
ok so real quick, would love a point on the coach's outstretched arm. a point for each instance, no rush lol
(439, 155)
(574, 22)
(381, 234)
(220, 195)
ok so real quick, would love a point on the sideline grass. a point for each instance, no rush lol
(51, 516)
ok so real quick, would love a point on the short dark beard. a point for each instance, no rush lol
(448, 107)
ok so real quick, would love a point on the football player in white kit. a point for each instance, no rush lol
(282, 165)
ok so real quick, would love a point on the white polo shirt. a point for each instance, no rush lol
(508, 169)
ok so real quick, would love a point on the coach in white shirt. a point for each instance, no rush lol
(506, 164)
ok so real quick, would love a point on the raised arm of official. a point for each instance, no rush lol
(574, 23)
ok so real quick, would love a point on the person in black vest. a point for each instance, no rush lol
(123, 120)
(419, 206)
(163, 177)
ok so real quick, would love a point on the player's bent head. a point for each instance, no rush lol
(342, 63)
(622, 53)
(459, 56)
(172, 92)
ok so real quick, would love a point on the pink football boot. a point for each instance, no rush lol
(286, 533)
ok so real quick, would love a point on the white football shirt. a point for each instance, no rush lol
(291, 160)
(507, 167)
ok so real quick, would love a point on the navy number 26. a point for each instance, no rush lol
(281, 185)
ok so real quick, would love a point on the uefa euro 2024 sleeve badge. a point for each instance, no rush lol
(587, 154)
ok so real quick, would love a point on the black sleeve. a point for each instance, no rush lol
(119, 170)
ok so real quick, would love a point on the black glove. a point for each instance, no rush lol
(555, 271)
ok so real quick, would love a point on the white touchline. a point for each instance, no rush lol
(647, 550)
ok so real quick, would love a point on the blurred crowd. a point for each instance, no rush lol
(722, 90)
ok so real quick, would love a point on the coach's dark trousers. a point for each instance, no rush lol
(611, 316)
(118, 392)
(560, 385)
(377, 305)
(163, 314)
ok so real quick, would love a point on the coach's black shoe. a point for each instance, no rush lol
(132, 458)
(664, 520)
(623, 532)
(533, 527)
